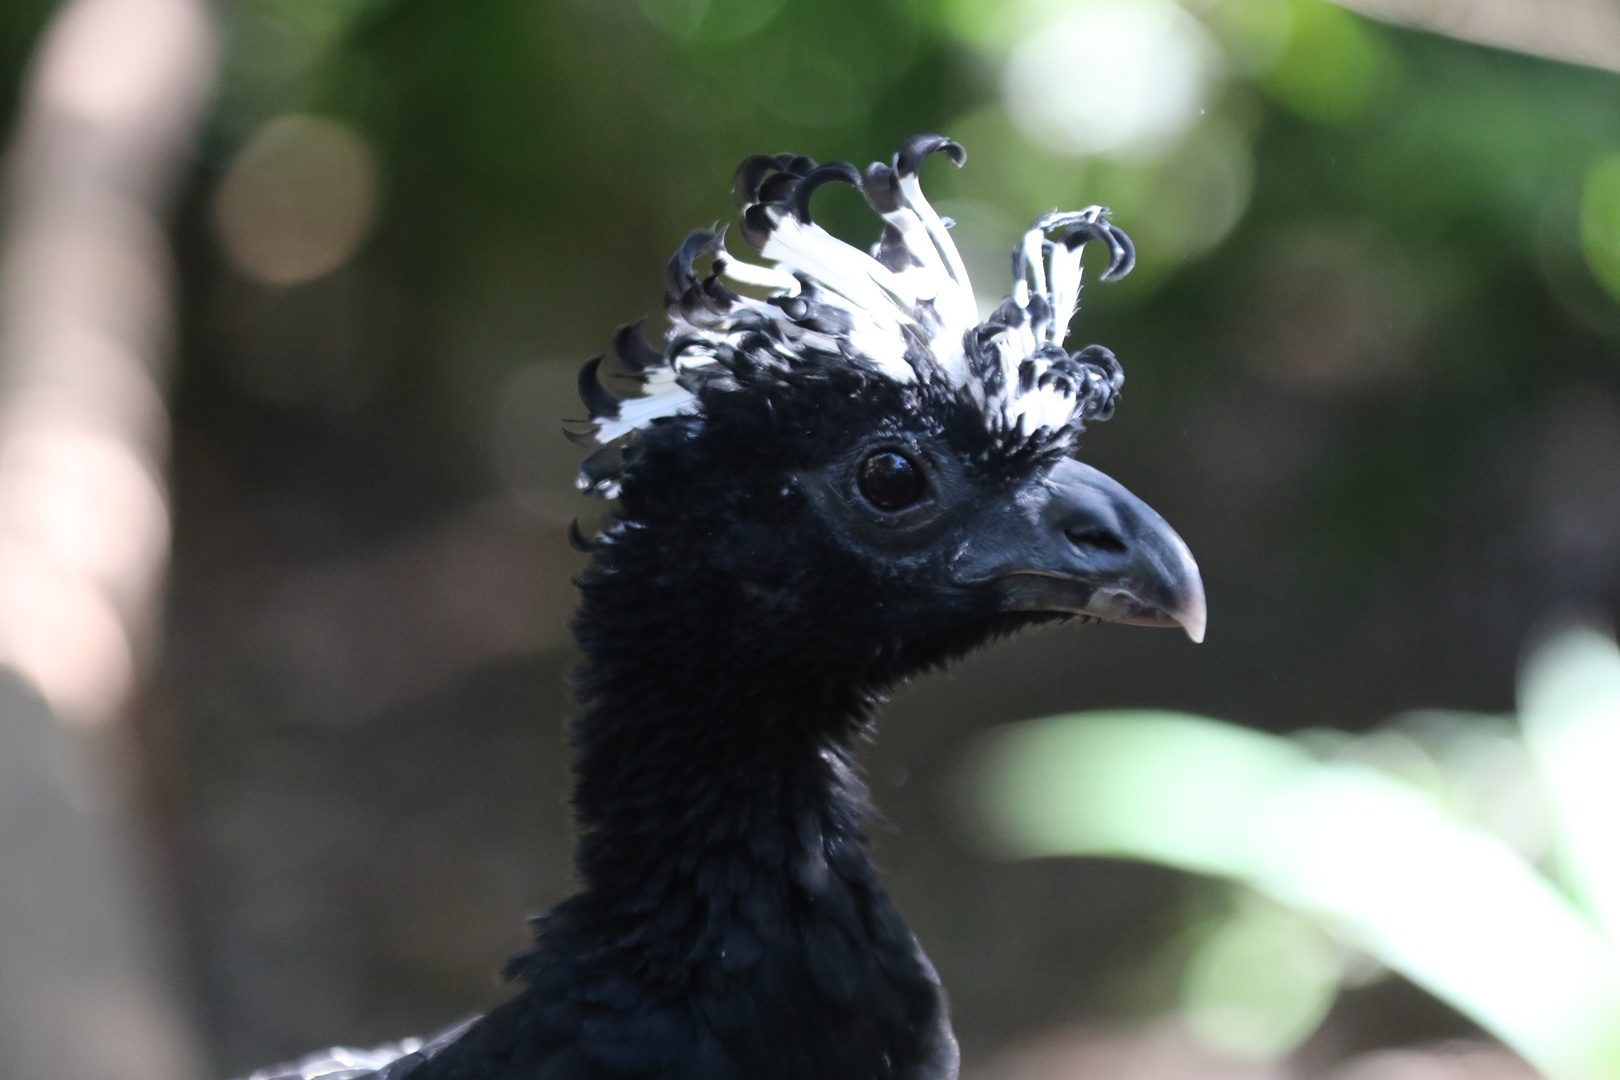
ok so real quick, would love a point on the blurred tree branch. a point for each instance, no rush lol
(114, 96)
(1575, 31)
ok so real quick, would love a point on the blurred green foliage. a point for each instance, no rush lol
(20, 24)
(1600, 221)
(1423, 857)
(1330, 68)
(1378, 219)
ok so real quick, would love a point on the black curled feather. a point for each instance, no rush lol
(1081, 228)
(881, 186)
(1121, 252)
(679, 276)
(918, 147)
(725, 342)
(1102, 377)
(601, 471)
(881, 183)
(601, 404)
(746, 180)
(577, 539)
(705, 301)
(841, 172)
(630, 345)
(766, 180)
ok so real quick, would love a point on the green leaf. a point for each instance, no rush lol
(1570, 700)
(1375, 861)
(1261, 981)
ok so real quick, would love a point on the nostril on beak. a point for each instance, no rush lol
(1095, 540)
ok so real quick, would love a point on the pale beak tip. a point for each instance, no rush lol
(1194, 617)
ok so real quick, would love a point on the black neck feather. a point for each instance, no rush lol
(709, 739)
(730, 924)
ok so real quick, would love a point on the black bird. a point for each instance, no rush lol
(831, 481)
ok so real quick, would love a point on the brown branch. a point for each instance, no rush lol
(85, 314)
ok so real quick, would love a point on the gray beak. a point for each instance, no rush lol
(1076, 541)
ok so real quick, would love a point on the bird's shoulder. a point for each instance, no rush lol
(834, 1004)
(837, 1004)
(392, 1061)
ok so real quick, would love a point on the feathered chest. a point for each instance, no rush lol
(819, 980)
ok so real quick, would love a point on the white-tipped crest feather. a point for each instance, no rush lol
(906, 310)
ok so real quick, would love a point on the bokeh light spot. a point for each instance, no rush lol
(1114, 76)
(1332, 68)
(64, 635)
(123, 59)
(1600, 222)
(1183, 205)
(297, 200)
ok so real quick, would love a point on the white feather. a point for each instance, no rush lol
(929, 300)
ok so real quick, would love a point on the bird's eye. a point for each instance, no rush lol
(889, 480)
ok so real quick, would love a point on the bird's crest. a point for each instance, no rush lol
(905, 311)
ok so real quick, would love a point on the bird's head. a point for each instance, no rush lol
(847, 460)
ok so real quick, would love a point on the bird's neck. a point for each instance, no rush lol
(728, 902)
(681, 779)
(713, 754)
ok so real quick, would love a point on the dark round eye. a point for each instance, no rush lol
(891, 481)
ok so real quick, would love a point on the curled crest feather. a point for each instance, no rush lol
(904, 311)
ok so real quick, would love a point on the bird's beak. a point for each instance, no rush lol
(1075, 540)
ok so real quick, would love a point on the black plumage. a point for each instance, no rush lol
(818, 497)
